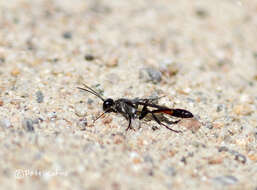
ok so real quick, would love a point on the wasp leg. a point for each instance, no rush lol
(144, 112)
(129, 125)
(174, 122)
(160, 123)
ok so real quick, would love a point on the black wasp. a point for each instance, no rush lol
(129, 108)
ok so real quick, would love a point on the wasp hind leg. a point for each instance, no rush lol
(160, 123)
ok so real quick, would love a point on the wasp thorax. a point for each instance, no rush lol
(108, 103)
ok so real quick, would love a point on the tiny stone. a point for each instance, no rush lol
(5, 123)
(209, 125)
(89, 147)
(36, 121)
(255, 55)
(150, 75)
(242, 109)
(190, 100)
(170, 171)
(169, 67)
(197, 117)
(113, 62)
(223, 149)
(28, 125)
(7, 172)
(148, 158)
(151, 173)
(40, 96)
(82, 123)
(225, 180)
(2, 60)
(220, 107)
(67, 35)
(255, 135)
(52, 116)
(201, 13)
(55, 60)
(89, 57)
(238, 156)
(1, 103)
(15, 72)
(191, 124)
(183, 159)
(241, 158)
(90, 101)
(80, 110)
(154, 128)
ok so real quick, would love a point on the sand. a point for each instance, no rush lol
(200, 55)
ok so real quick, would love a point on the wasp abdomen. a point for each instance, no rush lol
(181, 113)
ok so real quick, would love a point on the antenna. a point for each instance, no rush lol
(101, 115)
(90, 90)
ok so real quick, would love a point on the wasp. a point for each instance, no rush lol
(129, 108)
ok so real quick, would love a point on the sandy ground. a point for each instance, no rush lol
(200, 55)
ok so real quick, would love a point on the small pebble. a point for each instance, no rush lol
(15, 72)
(52, 116)
(242, 109)
(5, 123)
(154, 128)
(150, 75)
(238, 156)
(67, 35)
(220, 107)
(253, 157)
(191, 124)
(223, 149)
(36, 121)
(169, 67)
(184, 160)
(215, 160)
(241, 158)
(118, 138)
(113, 62)
(255, 135)
(225, 180)
(28, 125)
(170, 171)
(209, 125)
(201, 13)
(148, 158)
(89, 57)
(82, 123)
(90, 101)
(80, 110)
(1, 102)
(2, 60)
(107, 120)
(89, 147)
(39, 96)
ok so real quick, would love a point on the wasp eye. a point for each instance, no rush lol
(108, 103)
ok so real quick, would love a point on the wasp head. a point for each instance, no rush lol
(108, 104)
